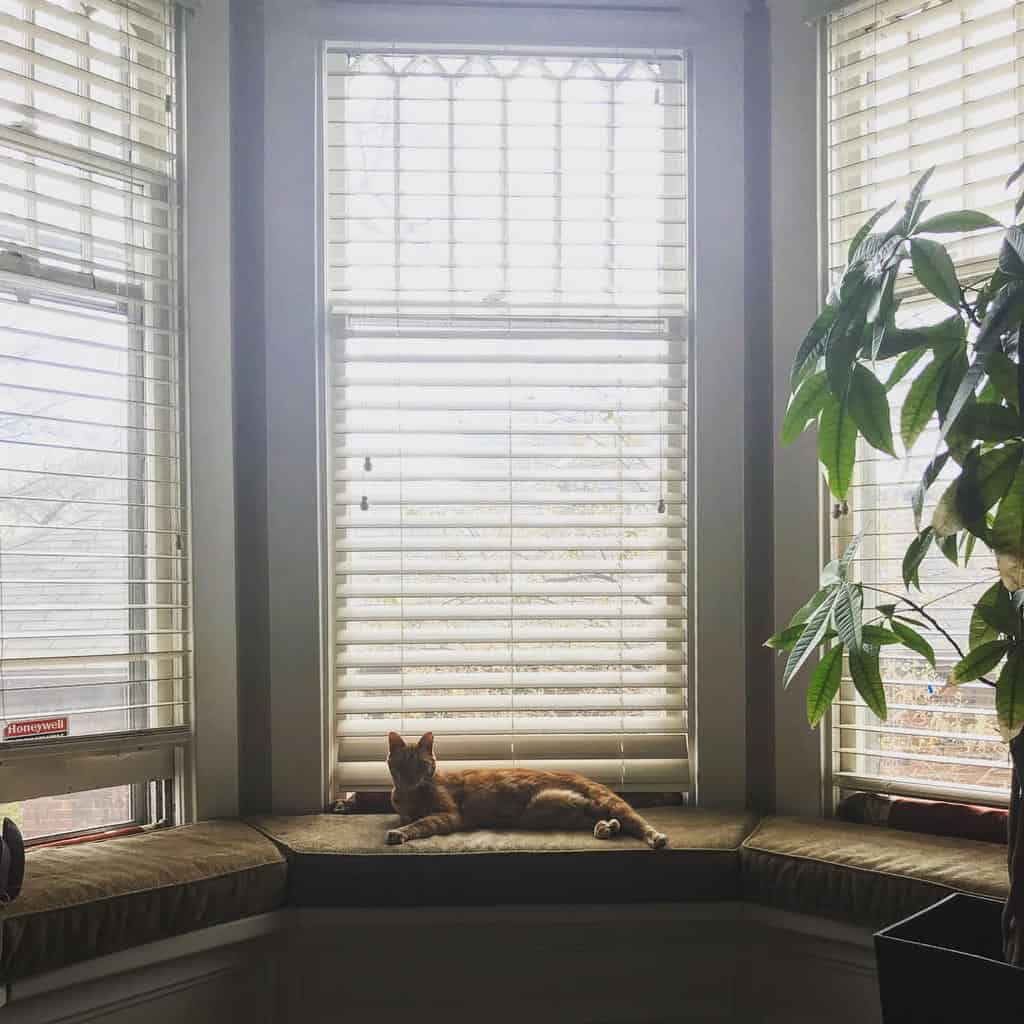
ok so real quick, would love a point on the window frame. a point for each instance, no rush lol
(295, 35)
(677, 330)
(840, 720)
(801, 754)
(200, 761)
(803, 757)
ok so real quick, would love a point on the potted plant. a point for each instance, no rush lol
(970, 376)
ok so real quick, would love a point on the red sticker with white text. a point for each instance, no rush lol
(34, 728)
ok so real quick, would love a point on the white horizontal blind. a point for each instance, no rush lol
(507, 411)
(911, 85)
(93, 591)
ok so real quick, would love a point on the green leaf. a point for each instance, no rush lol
(912, 639)
(983, 482)
(1002, 371)
(837, 446)
(853, 253)
(953, 371)
(830, 574)
(847, 616)
(804, 613)
(869, 407)
(915, 205)
(804, 406)
(961, 220)
(920, 404)
(824, 684)
(970, 540)
(948, 333)
(994, 473)
(1007, 534)
(946, 519)
(879, 636)
(904, 365)
(844, 340)
(1010, 696)
(813, 345)
(1011, 256)
(868, 680)
(1003, 313)
(912, 621)
(915, 556)
(810, 638)
(988, 422)
(886, 610)
(947, 545)
(935, 270)
(785, 638)
(979, 660)
(846, 558)
(1013, 177)
(931, 473)
(880, 306)
(993, 614)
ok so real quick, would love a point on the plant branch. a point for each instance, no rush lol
(931, 619)
(970, 310)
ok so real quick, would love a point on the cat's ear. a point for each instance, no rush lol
(395, 742)
(426, 743)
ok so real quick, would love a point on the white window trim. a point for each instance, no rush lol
(210, 775)
(295, 34)
(797, 275)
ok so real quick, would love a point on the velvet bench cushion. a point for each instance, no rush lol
(84, 901)
(342, 860)
(863, 874)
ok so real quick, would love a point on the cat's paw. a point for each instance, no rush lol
(656, 840)
(607, 829)
(394, 837)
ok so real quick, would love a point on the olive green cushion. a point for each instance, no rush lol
(96, 898)
(863, 874)
(342, 860)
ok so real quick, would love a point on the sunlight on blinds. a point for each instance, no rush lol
(912, 84)
(507, 411)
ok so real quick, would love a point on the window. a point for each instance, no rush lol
(506, 284)
(94, 635)
(911, 85)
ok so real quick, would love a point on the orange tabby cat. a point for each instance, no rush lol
(432, 803)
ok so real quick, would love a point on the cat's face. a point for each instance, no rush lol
(410, 765)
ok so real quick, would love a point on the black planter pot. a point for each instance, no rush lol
(946, 964)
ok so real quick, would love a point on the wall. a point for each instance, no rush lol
(250, 388)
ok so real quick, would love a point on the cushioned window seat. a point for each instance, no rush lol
(341, 860)
(86, 901)
(97, 898)
(863, 874)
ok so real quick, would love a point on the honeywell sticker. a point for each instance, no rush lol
(34, 728)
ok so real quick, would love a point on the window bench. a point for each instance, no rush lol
(341, 861)
(863, 874)
(730, 891)
(94, 899)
